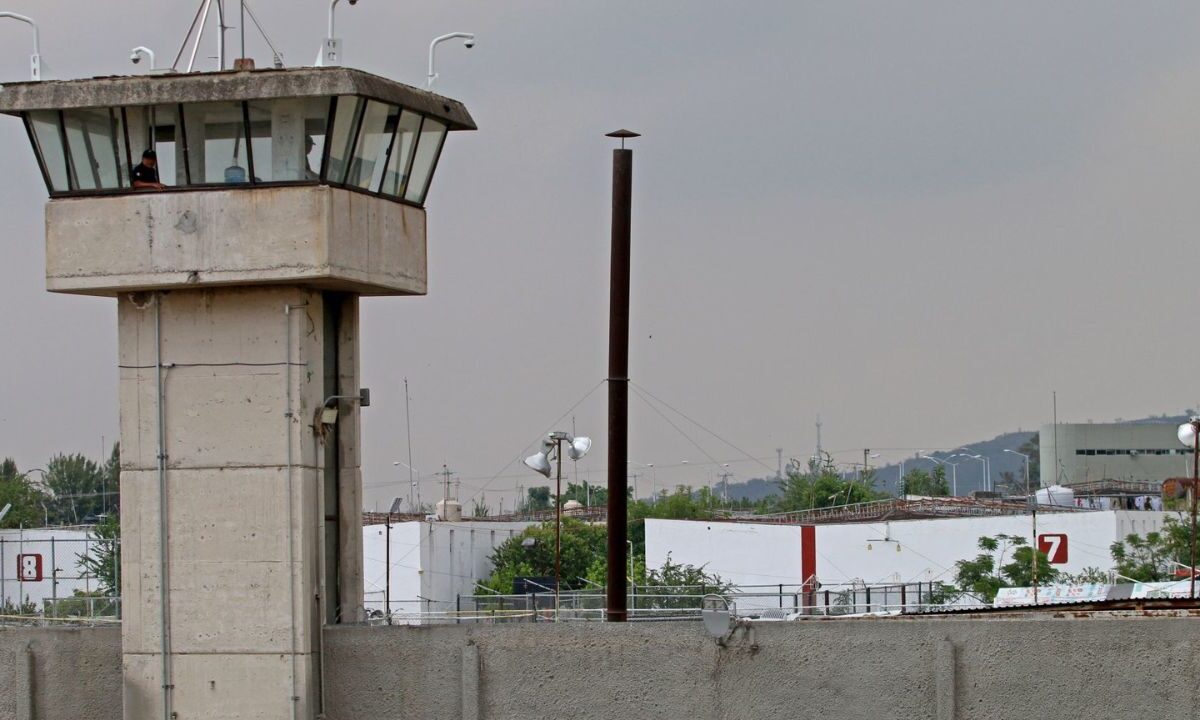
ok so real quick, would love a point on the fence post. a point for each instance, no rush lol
(533, 604)
(903, 598)
(53, 576)
(868, 598)
(458, 608)
(780, 596)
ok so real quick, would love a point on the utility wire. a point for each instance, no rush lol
(681, 414)
(636, 391)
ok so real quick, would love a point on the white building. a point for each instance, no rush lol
(58, 552)
(432, 563)
(904, 551)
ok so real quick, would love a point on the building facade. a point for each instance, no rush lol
(1072, 454)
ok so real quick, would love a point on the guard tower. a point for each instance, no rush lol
(291, 194)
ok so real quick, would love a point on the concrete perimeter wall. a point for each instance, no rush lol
(935, 669)
(941, 669)
(53, 673)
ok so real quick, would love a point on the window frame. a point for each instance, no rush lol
(125, 180)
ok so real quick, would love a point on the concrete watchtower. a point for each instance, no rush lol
(290, 194)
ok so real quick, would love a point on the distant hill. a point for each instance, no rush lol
(970, 472)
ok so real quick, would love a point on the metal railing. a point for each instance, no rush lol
(663, 603)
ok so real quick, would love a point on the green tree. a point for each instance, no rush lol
(1155, 557)
(585, 494)
(76, 486)
(25, 497)
(103, 559)
(925, 483)
(537, 499)
(987, 572)
(821, 485)
(582, 545)
(479, 509)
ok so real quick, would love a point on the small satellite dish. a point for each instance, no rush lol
(719, 615)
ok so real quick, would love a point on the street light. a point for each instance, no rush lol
(983, 466)
(1188, 433)
(653, 478)
(539, 462)
(953, 472)
(413, 483)
(1014, 452)
(35, 60)
(468, 42)
(1033, 514)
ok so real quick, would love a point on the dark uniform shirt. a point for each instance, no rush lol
(144, 173)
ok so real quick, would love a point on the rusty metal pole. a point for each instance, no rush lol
(618, 377)
(557, 526)
(1195, 484)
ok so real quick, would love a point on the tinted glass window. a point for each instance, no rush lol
(216, 143)
(94, 140)
(374, 140)
(346, 115)
(429, 146)
(166, 140)
(395, 180)
(47, 133)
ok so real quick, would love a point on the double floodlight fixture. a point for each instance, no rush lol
(468, 43)
(577, 447)
(329, 408)
(35, 60)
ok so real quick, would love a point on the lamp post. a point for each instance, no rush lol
(653, 477)
(468, 43)
(1188, 433)
(1033, 513)
(983, 466)
(413, 484)
(577, 447)
(1014, 452)
(35, 60)
(953, 472)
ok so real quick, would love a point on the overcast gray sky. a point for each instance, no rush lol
(916, 219)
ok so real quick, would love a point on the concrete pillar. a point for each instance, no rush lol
(246, 530)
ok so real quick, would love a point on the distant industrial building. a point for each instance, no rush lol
(1075, 454)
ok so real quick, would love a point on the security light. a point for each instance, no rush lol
(468, 42)
(539, 463)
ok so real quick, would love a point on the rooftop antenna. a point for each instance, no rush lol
(276, 56)
(35, 60)
(197, 27)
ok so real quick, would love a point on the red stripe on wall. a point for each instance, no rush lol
(808, 555)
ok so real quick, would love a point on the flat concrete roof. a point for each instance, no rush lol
(264, 84)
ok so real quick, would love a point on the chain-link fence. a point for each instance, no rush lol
(43, 578)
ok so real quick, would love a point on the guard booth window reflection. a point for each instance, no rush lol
(95, 140)
(216, 143)
(346, 115)
(287, 138)
(165, 137)
(47, 134)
